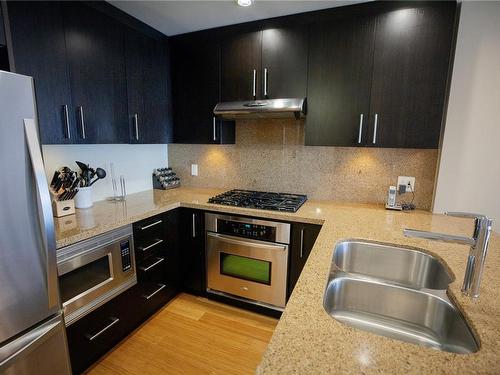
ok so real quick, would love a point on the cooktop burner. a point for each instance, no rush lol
(259, 199)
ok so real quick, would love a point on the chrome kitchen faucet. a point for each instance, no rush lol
(478, 248)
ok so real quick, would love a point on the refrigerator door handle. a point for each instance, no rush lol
(28, 342)
(44, 210)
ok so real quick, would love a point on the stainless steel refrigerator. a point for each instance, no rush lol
(32, 333)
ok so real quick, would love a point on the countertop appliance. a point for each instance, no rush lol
(259, 199)
(247, 259)
(267, 108)
(94, 271)
(32, 333)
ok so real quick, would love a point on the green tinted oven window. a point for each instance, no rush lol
(245, 268)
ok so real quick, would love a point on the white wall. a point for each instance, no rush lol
(134, 162)
(469, 171)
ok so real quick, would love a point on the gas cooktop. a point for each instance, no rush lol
(259, 199)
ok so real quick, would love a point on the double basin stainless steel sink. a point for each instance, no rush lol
(396, 292)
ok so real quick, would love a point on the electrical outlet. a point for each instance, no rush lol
(194, 169)
(408, 182)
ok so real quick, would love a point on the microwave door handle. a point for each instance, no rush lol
(44, 210)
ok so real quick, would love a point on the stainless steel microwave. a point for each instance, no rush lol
(94, 271)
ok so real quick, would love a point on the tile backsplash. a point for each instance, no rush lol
(270, 155)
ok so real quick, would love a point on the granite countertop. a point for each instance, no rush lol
(307, 339)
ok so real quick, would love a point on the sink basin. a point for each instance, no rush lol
(400, 265)
(426, 318)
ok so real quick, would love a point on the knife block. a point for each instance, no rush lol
(63, 208)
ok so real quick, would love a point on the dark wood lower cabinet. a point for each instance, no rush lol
(303, 238)
(192, 233)
(157, 267)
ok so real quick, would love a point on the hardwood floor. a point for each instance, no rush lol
(192, 335)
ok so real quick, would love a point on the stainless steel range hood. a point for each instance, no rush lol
(268, 108)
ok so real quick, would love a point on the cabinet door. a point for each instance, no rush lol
(411, 61)
(193, 251)
(196, 88)
(4, 56)
(149, 106)
(339, 80)
(284, 63)
(303, 238)
(95, 48)
(39, 50)
(240, 66)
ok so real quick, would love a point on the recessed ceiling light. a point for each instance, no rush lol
(244, 3)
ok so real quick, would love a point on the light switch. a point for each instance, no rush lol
(194, 169)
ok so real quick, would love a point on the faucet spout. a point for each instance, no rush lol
(478, 248)
(439, 237)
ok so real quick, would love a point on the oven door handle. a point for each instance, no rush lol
(245, 242)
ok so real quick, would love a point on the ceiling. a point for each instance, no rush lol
(182, 16)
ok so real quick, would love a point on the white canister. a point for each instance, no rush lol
(83, 198)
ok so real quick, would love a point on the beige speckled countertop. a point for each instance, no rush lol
(307, 340)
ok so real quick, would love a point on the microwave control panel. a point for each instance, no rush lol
(125, 255)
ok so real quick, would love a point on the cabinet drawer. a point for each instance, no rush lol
(152, 270)
(150, 247)
(153, 227)
(92, 336)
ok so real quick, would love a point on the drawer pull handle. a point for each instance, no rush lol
(93, 337)
(302, 243)
(150, 246)
(146, 269)
(152, 224)
(161, 287)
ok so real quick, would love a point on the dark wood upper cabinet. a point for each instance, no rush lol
(340, 72)
(95, 50)
(411, 61)
(4, 56)
(196, 84)
(241, 60)
(284, 63)
(148, 91)
(39, 49)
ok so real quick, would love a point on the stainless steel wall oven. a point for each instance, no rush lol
(247, 259)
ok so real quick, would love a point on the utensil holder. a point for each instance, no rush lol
(84, 197)
(63, 208)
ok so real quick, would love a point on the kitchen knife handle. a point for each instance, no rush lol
(82, 121)
(265, 82)
(136, 125)
(254, 91)
(360, 127)
(66, 121)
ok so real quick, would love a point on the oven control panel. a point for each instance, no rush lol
(125, 255)
(258, 232)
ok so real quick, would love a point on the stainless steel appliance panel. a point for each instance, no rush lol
(272, 292)
(28, 277)
(94, 271)
(42, 350)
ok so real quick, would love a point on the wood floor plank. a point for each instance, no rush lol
(192, 335)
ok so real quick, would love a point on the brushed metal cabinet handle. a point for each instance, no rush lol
(93, 337)
(215, 131)
(151, 246)
(146, 269)
(375, 124)
(254, 91)
(360, 127)
(82, 121)
(136, 125)
(265, 82)
(302, 243)
(66, 120)
(151, 225)
(194, 226)
(161, 287)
